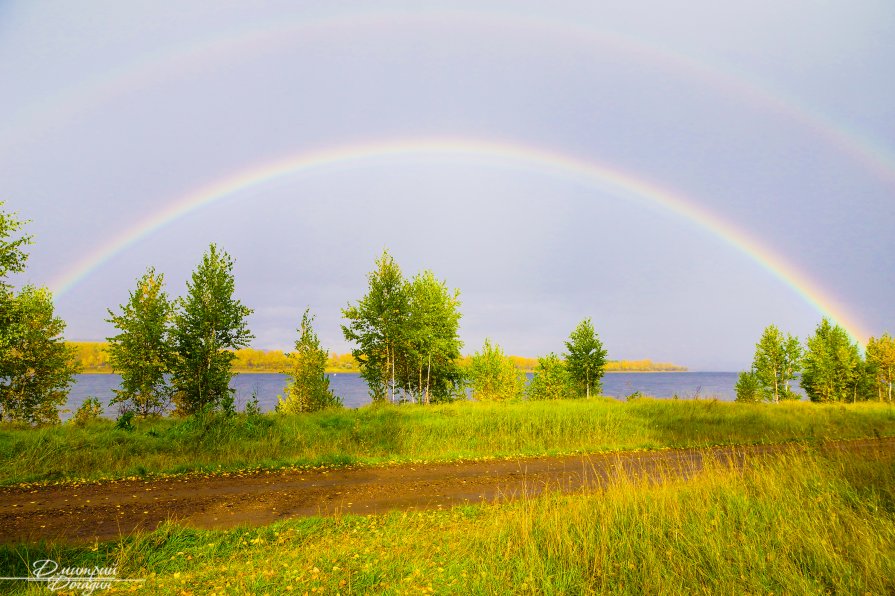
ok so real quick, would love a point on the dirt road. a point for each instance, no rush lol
(106, 510)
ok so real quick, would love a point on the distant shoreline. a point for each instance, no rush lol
(357, 372)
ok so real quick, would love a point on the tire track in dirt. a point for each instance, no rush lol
(107, 510)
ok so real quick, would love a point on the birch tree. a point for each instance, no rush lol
(141, 352)
(308, 390)
(377, 325)
(831, 366)
(586, 357)
(36, 366)
(776, 362)
(881, 362)
(209, 324)
(434, 345)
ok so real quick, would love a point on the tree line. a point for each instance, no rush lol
(179, 352)
(830, 367)
(93, 357)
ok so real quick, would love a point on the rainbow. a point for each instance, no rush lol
(181, 60)
(479, 152)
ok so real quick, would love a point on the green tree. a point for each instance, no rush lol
(377, 324)
(493, 376)
(12, 246)
(38, 367)
(585, 357)
(141, 352)
(209, 324)
(551, 380)
(776, 362)
(432, 347)
(12, 260)
(881, 364)
(748, 388)
(831, 367)
(308, 390)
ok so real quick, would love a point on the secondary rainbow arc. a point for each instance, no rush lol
(871, 153)
(476, 151)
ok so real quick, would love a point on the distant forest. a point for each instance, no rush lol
(93, 357)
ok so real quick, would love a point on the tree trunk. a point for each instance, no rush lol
(389, 390)
(428, 377)
(776, 390)
(393, 375)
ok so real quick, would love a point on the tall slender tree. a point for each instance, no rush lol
(433, 346)
(141, 352)
(881, 363)
(776, 362)
(586, 357)
(831, 368)
(308, 389)
(209, 324)
(377, 324)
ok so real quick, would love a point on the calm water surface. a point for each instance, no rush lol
(353, 391)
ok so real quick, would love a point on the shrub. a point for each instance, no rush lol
(90, 410)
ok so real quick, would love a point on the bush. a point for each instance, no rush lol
(493, 376)
(551, 380)
(748, 388)
(125, 421)
(90, 410)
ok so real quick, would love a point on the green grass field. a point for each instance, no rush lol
(376, 435)
(799, 523)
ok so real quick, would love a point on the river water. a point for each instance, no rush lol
(353, 390)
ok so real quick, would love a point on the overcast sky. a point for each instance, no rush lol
(777, 118)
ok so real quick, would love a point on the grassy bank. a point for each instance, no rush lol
(374, 435)
(798, 523)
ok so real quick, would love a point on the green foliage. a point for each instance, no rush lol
(776, 362)
(748, 387)
(551, 380)
(252, 407)
(586, 358)
(493, 376)
(406, 334)
(308, 390)
(209, 324)
(377, 324)
(141, 352)
(881, 364)
(832, 365)
(89, 411)
(12, 249)
(432, 348)
(38, 367)
(125, 421)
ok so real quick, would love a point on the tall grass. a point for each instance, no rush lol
(374, 435)
(801, 523)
